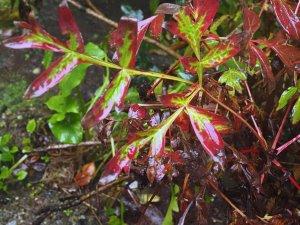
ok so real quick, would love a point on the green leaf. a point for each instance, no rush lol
(285, 97)
(73, 79)
(5, 172)
(232, 79)
(48, 55)
(69, 130)
(5, 139)
(31, 126)
(21, 175)
(63, 104)
(173, 206)
(57, 117)
(296, 112)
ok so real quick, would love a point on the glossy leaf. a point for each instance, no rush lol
(206, 131)
(84, 177)
(287, 18)
(187, 29)
(52, 76)
(285, 97)
(290, 56)
(220, 54)
(232, 79)
(251, 20)
(122, 159)
(69, 27)
(69, 130)
(296, 112)
(38, 38)
(63, 104)
(124, 39)
(114, 95)
(266, 69)
(192, 22)
(137, 112)
(173, 100)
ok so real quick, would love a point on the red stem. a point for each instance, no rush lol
(262, 7)
(282, 123)
(297, 8)
(287, 144)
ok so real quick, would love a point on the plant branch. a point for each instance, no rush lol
(260, 139)
(114, 24)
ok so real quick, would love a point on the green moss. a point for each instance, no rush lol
(11, 95)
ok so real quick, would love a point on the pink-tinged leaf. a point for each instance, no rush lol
(167, 8)
(278, 39)
(84, 177)
(114, 95)
(182, 121)
(38, 38)
(220, 54)
(207, 134)
(124, 39)
(251, 20)
(265, 66)
(52, 76)
(122, 160)
(137, 112)
(69, 27)
(290, 56)
(287, 18)
(173, 100)
(190, 64)
(156, 26)
(142, 28)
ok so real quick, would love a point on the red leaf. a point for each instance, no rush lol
(84, 177)
(206, 8)
(142, 28)
(121, 160)
(173, 100)
(124, 39)
(265, 66)
(69, 26)
(206, 126)
(287, 19)
(182, 121)
(52, 76)
(156, 26)
(137, 112)
(251, 20)
(114, 95)
(190, 64)
(38, 38)
(290, 56)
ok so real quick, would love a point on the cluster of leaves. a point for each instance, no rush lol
(187, 111)
(7, 162)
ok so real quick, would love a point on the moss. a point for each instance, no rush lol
(11, 95)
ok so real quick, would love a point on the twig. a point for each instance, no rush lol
(66, 146)
(91, 4)
(47, 211)
(114, 24)
(226, 199)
